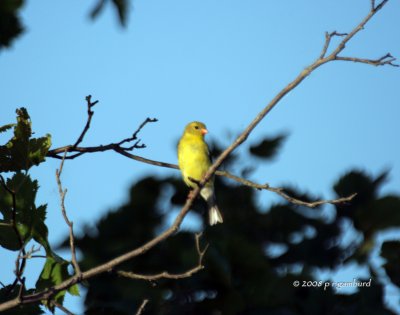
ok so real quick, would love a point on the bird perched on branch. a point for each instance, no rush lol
(194, 161)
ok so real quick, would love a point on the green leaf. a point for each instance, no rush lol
(30, 220)
(22, 152)
(38, 149)
(6, 127)
(54, 272)
(8, 237)
(74, 290)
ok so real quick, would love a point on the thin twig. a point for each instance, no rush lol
(21, 288)
(167, 275)
(387, 59)
(70, 224)
(29, 253)
(246, 182)
(141, 307)
(281, 192)
(328, 38)
(135, 134)
(74, 151)
(90, 113)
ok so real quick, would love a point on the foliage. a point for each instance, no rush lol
(11, 26)
(22, 220)
(23, 151)
(120, 6)
(243, 274)
(253, 260)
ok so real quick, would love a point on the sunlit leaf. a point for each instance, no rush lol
(54, 272)
(22, 151)
(6, 127)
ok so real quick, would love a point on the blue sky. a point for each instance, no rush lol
(215, 61)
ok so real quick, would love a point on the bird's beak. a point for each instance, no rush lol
(204, 131)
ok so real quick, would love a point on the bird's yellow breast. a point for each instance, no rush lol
(193, 158)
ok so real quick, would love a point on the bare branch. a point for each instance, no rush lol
(29, 253)
(145, 160)
(387, 59)
(283, 194)
(328, 38)
(90, 113)
(135, 134)
(78, 151)
(246, 182)
(21, 288)
(141, 307)
(358, 28)
(70, 224)
(167, 275)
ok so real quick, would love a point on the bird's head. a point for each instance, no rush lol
(196, 128)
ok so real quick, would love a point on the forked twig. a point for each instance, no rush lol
(167, 275)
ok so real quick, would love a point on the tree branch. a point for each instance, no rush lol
(281, 192)
(387, 59)
(246, 182)
(70, 224)
(167, 275)
(90, 113)
(44, 295)
(328, 38)
(141, 307)
(65, 151)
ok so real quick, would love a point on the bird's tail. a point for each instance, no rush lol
(214, 215)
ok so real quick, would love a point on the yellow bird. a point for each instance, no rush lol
(194, 161)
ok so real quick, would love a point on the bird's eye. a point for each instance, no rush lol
(196, 127)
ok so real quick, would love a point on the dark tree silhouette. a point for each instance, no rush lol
(241, 275)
